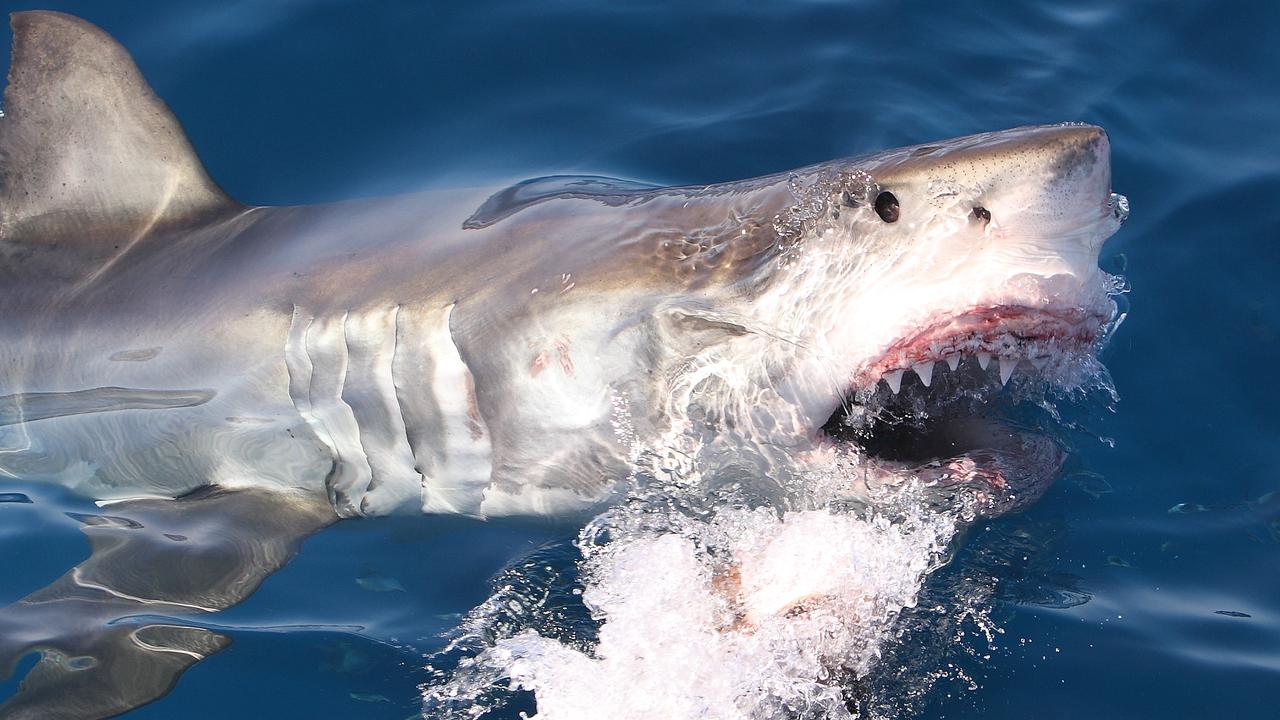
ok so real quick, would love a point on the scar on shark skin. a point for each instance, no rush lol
(566, 360)
(542, 359)
(538, 364)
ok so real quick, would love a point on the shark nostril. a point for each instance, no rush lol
(981, 213)
(887, 207)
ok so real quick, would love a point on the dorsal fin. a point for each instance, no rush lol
(87, 150)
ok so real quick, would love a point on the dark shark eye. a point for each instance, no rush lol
(981, 213)
(887, 207)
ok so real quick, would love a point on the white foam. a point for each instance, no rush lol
(744, 614)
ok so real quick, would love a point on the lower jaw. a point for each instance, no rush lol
(950, 440)
(973, 466)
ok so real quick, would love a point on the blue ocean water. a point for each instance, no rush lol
(1144, 584)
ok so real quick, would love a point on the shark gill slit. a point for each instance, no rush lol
(369, 391)
(419, 410)
(389, 395)
(414, 367)
(319, 354)
(465, 465)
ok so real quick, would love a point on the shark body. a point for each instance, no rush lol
(522, 351)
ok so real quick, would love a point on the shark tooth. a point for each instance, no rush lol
(1006, 369)
(984, 359)
(894, 379)
(1039, 362)
(953, 361)
(925, 371)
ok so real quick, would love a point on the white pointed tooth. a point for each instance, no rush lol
(895, 380)
(1006, 369)
(925, 371)
(1039, 362)
(953, 361)
(984, 359)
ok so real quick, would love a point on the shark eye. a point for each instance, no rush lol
(887, 207)
(981, 213)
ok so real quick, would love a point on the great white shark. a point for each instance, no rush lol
(536, 350)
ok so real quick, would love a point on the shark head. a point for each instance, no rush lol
(792, 314)
(981, 250)
(985, 245)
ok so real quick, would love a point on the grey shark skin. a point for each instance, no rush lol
(517, 352)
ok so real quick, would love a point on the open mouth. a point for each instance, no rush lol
(935, 408)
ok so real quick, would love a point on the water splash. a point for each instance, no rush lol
(736, 612)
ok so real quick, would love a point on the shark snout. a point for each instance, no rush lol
(1052, 183)
(1083, 161)
(1080, 188)
(1051, 170)
(1065, 165)
(1075, 147)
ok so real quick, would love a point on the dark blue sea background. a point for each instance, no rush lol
(1145, 583)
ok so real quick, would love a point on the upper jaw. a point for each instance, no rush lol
(1046, 325)
(1006, 333)
(1042, 319)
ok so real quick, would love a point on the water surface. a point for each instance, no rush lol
(1142, 585)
